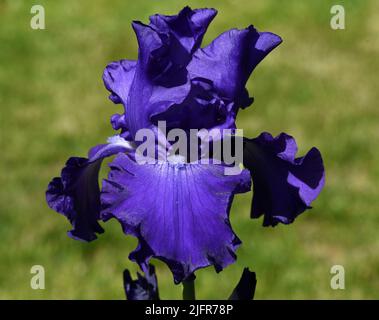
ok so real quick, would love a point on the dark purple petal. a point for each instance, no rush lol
(76, 193)
(144, 287)
(245, 288)
(178, 212)
(283, 186)
(229, 60)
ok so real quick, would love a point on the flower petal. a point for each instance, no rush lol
(202, 109)
(161, 78)
(118, 77)
(283, 186)
(144, 288)
(229, 60)
(188, 27)
(76, 193)
(184, 220)
(180, 35)
(147, 98)
(245, 288)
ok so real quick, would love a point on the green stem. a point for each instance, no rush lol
(189, 290)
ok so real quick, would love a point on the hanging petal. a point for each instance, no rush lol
(144, 287)
(76, 193)
(184, 220)
(283, 186)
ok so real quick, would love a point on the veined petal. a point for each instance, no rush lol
(229, 60)
(178, 212)
(283, 186)
(76, 193)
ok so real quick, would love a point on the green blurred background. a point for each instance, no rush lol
(320, 85)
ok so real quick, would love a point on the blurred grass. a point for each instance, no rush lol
(320, 85)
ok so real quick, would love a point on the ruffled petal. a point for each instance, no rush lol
(168, 80)
(245, 288)
(185, 219)
(283, 186)
(202, 109)
(144, 287)
(161, 78)
(180, 35)
(188, 27)
(229, 60)
(118, 77)
(76, 193)
(147, 98)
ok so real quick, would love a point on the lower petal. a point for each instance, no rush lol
(179, 212)
(283, 186)
(76, 193)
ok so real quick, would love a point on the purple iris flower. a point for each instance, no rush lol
(179, 211)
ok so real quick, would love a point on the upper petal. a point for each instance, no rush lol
(160, 78)
(147, 98)
(180, 36)
(188, 27)
(179, 212)
(202, 109)
(283, 186)
(229, 60)
(76, 193)
(118, 77)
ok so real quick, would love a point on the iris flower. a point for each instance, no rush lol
(179, 211)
